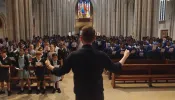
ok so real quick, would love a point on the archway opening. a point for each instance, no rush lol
(84, 14)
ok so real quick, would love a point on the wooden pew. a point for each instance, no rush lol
(138, 61)
(14, 77)
(170, 61)
(145, 72)
(141, 61)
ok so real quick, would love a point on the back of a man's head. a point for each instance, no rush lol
(88, 34)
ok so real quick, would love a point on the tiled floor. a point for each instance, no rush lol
(127, 92)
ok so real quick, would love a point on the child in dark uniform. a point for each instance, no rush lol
(22, 64)
(4, 72)
(55, 79)
(39, 63)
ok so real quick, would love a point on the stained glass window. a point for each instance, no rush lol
(84, 8)
(162, 10)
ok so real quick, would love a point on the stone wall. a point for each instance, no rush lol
(138, 18)
(169, 23)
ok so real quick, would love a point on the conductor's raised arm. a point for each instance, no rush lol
(116, 67)
(61, 70)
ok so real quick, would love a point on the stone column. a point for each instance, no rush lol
(138, 35)
(122, 16)
(136, 19)
(16, 21)
(60, 17)
(173, 26)
(94, 19)
(130, 17)
(67, 17)
(22, 19)
(56, 18)
(73, 18)
(118, 18)
(53, 17)
(125, 17)
(108, 18)
(103, 17)
(171, 13)
(26, 16)
(30, 20)
(106, 15)
(64, 17)
(149, 17)
(37, 18)
(9, 20)
(34, 16)
(113, 18)
(155, 18)
(45, 28)
(19, 19)
(41, 17)
(100, 17)
(49, 16)
(72, 15)
(144, 18)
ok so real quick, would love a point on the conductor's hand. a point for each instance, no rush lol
(49, 66)
(126, 53)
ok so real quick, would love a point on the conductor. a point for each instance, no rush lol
(87, 65)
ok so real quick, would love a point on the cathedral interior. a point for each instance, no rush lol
(29, 20)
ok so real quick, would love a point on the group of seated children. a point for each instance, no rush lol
(22, 65)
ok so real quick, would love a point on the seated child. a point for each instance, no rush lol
(39, 63)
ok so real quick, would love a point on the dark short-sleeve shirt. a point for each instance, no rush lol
(87, 65)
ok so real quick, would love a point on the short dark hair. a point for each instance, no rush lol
(4, 51)
(40, 49)
(38, 53)
(54, 54)
(21, 49)
(88, 34)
